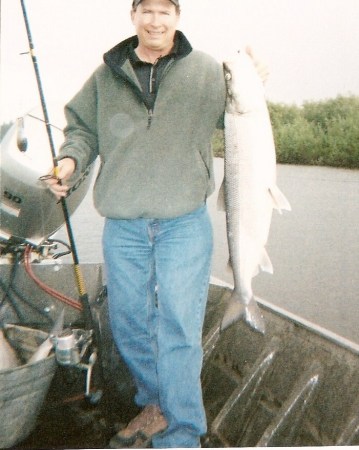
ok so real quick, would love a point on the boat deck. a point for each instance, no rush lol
(295, 386)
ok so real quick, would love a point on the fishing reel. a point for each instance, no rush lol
(74, 348)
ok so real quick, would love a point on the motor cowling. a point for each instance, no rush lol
(28, 210)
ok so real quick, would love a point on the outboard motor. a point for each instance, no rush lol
(28, 210)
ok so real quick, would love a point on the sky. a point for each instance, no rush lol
(311, 47)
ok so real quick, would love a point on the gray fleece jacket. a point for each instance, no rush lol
(154, 164)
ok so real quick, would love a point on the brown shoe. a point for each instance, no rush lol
(140, 430)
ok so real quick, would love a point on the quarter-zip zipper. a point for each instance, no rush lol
(151, 85)
(152, 82)
(149, 120)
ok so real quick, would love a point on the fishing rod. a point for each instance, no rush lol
(83, 296)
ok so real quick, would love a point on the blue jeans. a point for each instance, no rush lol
(157, 276)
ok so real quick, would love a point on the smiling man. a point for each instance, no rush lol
(155, 23)
(149, 113)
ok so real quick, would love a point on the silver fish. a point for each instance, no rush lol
(249, 189)
(44, 349)
(8, 358)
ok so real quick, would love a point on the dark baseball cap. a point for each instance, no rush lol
(135, 3)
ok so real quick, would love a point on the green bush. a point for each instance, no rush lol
(322, 133)
(218, 144)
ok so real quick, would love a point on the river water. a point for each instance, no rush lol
(314, 248)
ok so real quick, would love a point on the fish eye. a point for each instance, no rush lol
(228, 76)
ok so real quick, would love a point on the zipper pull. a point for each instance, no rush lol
(150, 115)
(152, 80)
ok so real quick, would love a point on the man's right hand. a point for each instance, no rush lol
(65, 168)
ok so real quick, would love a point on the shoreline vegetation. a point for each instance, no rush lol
(323, 133)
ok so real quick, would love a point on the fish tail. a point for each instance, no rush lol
(234, 311)
(254, 316)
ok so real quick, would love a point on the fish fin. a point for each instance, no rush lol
(254, 317)
(221, 203)
(236, 310)
(265, 263)
(233, 312)
(279, 200)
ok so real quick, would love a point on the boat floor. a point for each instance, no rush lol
(294, 386)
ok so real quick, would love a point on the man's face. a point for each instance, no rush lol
(155, 22)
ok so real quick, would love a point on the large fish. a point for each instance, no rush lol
(250, 190)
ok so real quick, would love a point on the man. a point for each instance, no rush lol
(149, 112)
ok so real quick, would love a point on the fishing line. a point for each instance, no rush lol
(78, 274)
(42, 120)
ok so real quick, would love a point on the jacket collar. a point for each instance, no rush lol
(118, 55)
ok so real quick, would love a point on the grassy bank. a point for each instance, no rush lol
(322, 133)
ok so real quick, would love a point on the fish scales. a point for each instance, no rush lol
(250, 191)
